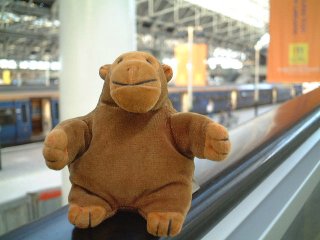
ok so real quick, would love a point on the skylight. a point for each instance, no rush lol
(252, 12)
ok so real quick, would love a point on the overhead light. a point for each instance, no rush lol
(56, 23)
(40, 65)
(24, 65)
(8, 64)
(229, 53)
(224, 63)
(55, 66)
(26, 18)
(172, 62)
(263, 41)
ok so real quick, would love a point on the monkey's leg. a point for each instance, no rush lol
(86, 209)
(165, 209)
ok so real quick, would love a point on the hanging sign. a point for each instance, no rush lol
(294, 50)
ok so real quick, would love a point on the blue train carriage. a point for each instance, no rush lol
(209, 100)
(219, 100)
(175, 95)
(200, 102)
(245, 96)
(200, 99)
(26, 116)
(298, 89)
(206, 100)
(15, 121)
(55, 111)
(44, 113)
(284, 92)
(265, 94)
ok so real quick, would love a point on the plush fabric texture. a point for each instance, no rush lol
(134, 151)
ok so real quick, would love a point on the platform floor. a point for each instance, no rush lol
(24, 169)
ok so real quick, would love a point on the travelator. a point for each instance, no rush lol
(269, 188)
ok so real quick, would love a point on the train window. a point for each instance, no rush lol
(24, 113)
(7, 116)
(56, 108)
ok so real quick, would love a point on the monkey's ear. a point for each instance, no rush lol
(167, 71)
(104, 70)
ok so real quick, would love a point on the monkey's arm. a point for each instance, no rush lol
(66, 141)
(197, 135)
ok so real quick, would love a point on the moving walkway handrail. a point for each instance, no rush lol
(218, 194)
(259, 146)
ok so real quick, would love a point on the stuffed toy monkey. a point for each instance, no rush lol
(134, 151)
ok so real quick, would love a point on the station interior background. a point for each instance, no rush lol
(30, 37)
(225, 36)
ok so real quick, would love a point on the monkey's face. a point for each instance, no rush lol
(136, 81)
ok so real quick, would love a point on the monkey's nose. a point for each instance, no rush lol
(132, 70)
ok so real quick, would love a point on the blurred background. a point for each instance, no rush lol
(51, 51)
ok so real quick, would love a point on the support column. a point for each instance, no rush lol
(92, 33)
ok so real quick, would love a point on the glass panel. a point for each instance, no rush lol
(24, 113)
(306, 225)
(7, 116)
(57, 109)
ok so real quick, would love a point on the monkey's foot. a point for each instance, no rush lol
(84, 217)
(164, 223)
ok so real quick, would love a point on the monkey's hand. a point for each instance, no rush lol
(217, 144)
(55, 149)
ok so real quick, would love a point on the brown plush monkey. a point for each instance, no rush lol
(134, 151)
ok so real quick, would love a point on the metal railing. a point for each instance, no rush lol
(28, 208)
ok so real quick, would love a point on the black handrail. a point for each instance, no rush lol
(276, 135)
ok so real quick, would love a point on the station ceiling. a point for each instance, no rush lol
(29, 28)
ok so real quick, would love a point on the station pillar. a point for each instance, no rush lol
(92, 33)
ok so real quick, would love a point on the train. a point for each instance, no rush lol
(210, 100)
(28, 113)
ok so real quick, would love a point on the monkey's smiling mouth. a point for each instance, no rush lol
(134, 84)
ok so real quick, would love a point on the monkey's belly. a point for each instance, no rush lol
(127, 172)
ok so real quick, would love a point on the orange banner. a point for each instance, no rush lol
(294, 50)
(199, 67)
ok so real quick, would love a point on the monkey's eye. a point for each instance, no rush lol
(119, 61)
(149, 61)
